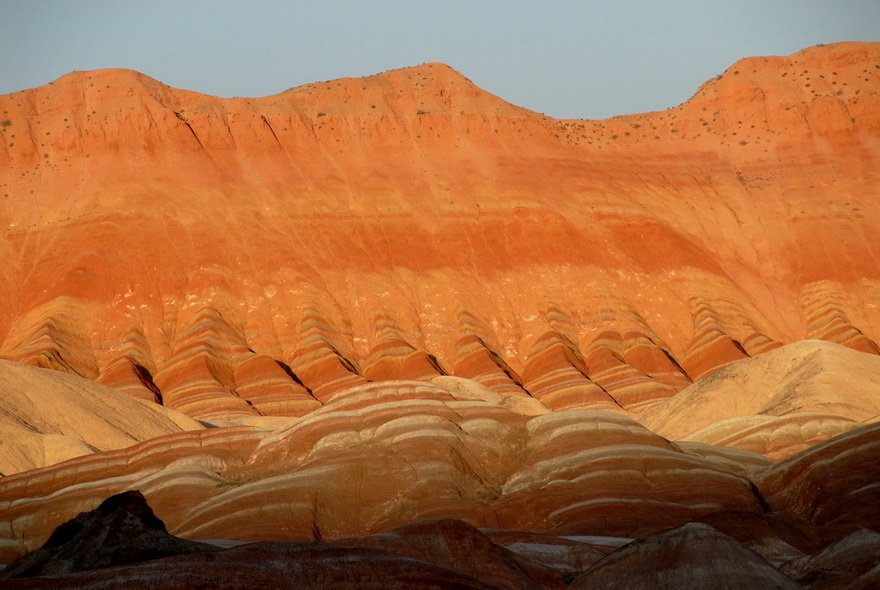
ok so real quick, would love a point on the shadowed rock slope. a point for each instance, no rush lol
(693, 556)
(123, 543)
(122, 530)
(837, 481)
(106, 548)
(842, 563)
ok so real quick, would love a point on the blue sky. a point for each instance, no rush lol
(583, 59)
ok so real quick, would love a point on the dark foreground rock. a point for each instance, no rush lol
(307, 566)
(838, 564)
(122, 530)
(692, 556)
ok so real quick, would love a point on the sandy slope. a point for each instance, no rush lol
(776, 403)
(47, 417)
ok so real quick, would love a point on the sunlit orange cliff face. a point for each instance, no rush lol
(486, 302)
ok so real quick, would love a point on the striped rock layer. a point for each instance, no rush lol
(362, 303)
(233, 258)
(382, 456)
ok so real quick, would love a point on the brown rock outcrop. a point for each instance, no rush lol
(122, 530)
(693, 556)
(311, 566)
(455, 544)
(832, 482)
(564, 556)
(838, 564)
(173, 471)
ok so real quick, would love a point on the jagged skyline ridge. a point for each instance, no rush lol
(574, 61)
(352, 219)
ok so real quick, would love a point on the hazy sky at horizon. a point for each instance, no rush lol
(565, 59)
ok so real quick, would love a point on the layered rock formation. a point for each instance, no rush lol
(409, 224)
(123, 543)
(693, 556)
(358, 304)
(843, 467)
(849, 561)
(47, 417)
(778, 403)
(383, 456)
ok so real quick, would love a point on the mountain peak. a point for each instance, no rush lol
(100, 80)
(429, 88)
(806, 75)
(821, 89)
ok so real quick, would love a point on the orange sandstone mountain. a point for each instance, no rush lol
(409, 224)
(399, 297)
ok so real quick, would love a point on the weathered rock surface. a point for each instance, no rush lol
(833, 482)
(838, 564)
(316, 566)
(566, 557)
(381, 456)
(400, 298)
(127, 545)
(49, 416)
(868, 580)
(777, 403)
(457, 545)
(777, 530)
(122, 530)
(173, 472)
(238, 257)
(693, 556)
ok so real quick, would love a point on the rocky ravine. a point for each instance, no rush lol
(359, 304)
